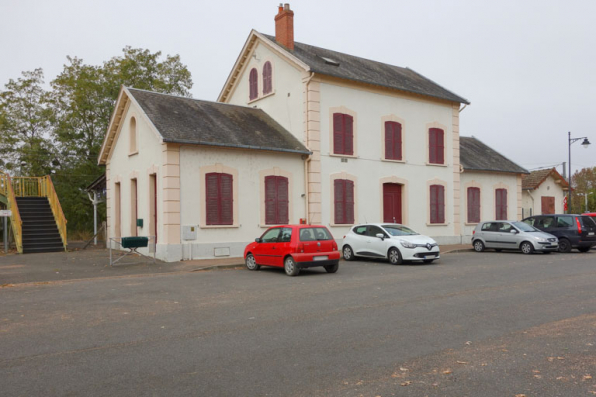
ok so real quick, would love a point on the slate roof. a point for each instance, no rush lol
(193, 121)
(364, 70)
(476, 156)
(535, 179)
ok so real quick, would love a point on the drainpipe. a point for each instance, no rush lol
(307, 160)
(533, 201)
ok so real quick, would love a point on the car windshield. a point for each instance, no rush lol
(399, 230)
(524, 227)
(314, 234)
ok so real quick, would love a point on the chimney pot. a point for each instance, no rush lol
(284, 26)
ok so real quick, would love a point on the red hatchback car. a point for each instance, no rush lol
(293, 247)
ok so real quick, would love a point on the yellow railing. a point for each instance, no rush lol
(31, 187)
(15, 219)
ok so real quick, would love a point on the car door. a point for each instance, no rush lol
(282, 247)
(489, 233)
(359, 239)
(375, 245)
(507, 236)
(266, 251)
(547, 224)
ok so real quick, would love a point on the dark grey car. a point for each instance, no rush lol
(511, 235)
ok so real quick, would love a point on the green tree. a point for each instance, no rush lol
(25, 126)
(584, 182)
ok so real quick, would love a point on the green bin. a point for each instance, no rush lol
(135, 242)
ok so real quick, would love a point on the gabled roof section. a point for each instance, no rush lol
(122, 104)
(536, 178)
(350, 67)
(192, 121)
(474, 155)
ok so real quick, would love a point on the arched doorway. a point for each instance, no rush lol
(392, 202)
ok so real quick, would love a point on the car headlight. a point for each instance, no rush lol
(541, 239)
(407, 244)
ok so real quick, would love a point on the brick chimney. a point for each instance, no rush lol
(284, 26)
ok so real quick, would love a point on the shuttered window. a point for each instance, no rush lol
(276, 200)
(343, 134)
(220, 200)
(253, 82)
(437, 204)
(473, 205)
(501, 204)
(267, 84)
(393, 140)
(436, 146)
(344, 201)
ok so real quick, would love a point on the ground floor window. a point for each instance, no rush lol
(276, 200)
(437, 204)
(501, 204)
(343, 199)
(473, 205)
(220, 209)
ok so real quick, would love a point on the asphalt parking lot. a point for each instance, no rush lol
(489, 324)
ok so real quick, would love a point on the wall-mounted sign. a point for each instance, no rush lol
(5, 213)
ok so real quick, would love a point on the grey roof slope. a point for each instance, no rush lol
(476, 156)
(193, 121)
(364, 70)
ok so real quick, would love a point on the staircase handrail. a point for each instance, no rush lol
(15, 218)
(47, 188)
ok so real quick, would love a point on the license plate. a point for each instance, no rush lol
(320, 258)
(430, 256)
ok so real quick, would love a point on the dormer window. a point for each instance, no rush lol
(267, 78)
(253, 81)
(133, 136)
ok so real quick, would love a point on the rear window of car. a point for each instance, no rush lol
(360, 230)
(486, 227)
(588, 221)
(564, 221)
(314, 234)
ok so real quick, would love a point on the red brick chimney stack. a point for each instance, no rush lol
(284, 26)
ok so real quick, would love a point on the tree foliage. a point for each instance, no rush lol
(61, 130)
(584, 182)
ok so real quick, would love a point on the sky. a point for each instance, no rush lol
(527, 67)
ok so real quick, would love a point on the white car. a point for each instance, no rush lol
(391, 241)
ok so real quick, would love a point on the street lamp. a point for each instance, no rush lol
(585, 144)
(586, 199)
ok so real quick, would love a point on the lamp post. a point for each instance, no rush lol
(586, 199)
(585, 144)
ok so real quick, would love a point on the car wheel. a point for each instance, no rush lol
(478, 246)
(290, 267)
(584, 249)
(428, 260)
(332, 268)
(394, 256)
(348, 253)
(564, 246)
(251, 263)
(526, 248)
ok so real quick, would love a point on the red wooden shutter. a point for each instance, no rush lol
(212, 196)
(267, 86)
(440, 147)
(432, 144)
(437, 204)
(397, 142)
(282, 200)
(436, 146)
(348, 135)
(392, 140)
(349, 203)
(227, 199)
(339, 200)
(473, 205)
(270, 200)
(441, 203)
(253, 84)
(338, 133)
(501, 204)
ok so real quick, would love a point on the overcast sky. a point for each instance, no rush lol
(527, 67)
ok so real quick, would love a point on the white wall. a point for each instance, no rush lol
(249, 165)
(369, 167)
(285, 104)
(532, 199)
(487, 182)
(124, 167)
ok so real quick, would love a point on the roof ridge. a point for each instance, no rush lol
(192, 99)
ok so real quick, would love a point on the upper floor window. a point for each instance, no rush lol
(437, 204)
(133, 136)
(253, 82)
(393, 140)
(267, 82)
(343, 198)
(501, 204)
(473, 205)
(343, 134)
(219, 195)
(436, 146)
(276, 200)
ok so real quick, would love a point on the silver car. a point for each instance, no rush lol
(511, 235)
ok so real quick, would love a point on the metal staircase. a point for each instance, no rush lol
(38, 223)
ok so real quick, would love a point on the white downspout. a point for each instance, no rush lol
(307, 161)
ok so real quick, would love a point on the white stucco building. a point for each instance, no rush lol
(302, 133)
(544, 192)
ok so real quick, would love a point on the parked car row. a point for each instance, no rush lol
(295, 247)
(543, 233)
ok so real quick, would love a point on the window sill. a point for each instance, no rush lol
(235, 226)
(393, 161)
(341, 224)
(437, 224)
(348, 156)
(265, 226)
(133, 153)
(471, 223)
(437, 165)
(260, 97)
